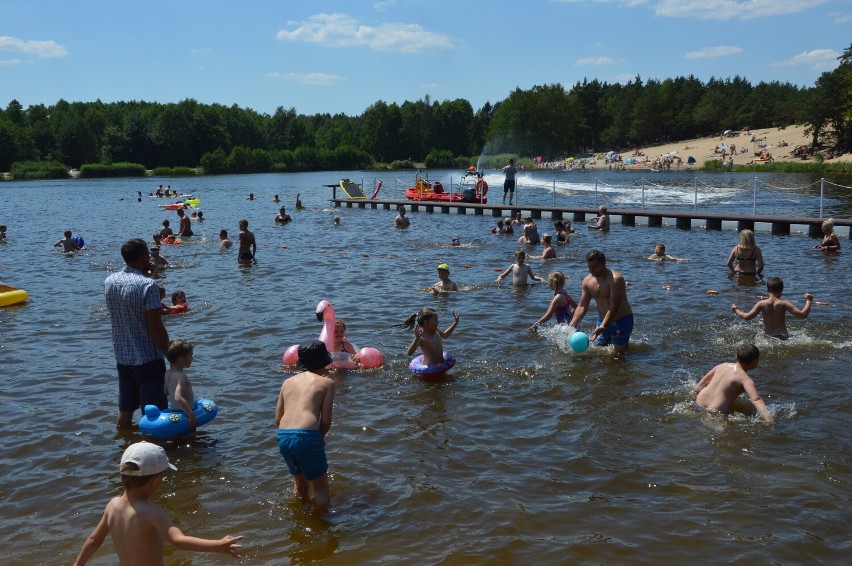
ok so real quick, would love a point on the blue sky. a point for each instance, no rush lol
(342, 56)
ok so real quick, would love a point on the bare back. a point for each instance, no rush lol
(247, 243)
(133, 524)
(305, 402)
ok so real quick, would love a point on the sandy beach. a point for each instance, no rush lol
(704, 149)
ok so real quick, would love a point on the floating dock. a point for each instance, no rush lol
(682, 219)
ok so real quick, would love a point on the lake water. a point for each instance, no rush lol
(528, 454)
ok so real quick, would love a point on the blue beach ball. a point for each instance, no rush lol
(579, 341)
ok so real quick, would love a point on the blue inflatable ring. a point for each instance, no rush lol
(170, 424)
(419, 368)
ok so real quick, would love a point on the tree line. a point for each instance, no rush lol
(551, 121)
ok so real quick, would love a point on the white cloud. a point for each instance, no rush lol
(819, 59)
(340, 30)
(9, 62)
(841, 18)
(731, 9)
(624, 78)
(38, 48)
(383, 5)
(428, 86)
(201, 51)
(594, 61)
(310, 79)
(712, 52)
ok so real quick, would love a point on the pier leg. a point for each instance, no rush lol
(781, 228)
(478, 211)
(445, 210)
(579, 217)
(815, 230)
(628, 219)
(745, 225)
(386, 205)
(496, 213)
(684, 223)
(535, 214)
(714, 224)
(430, 209)
(655, 221)
(556, 215)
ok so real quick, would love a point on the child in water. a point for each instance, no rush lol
(2, 232)
(720, 387)
(177, 386)
(660, 254)
(427, 336)
(520, 271)
(67, 243)
(775, 310)
(341, 345)
(562, 305)
(224, 242)
(179, 303)
(139, 527)
(548, 252)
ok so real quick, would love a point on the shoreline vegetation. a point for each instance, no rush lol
(763, 150)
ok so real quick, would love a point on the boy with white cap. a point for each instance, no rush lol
(138, 527)
(303, 416)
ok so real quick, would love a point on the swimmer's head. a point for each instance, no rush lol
(444, 267)
(602, 208)
(775, 285)
(747, 239)
(520, 254)
(425, 314)
(178, 297)
(339, 329)
(828, 226)
(556, 279)
(546, 238)
(660, 249)
(500, 222)
(747, 354)
(178, 348)
(166, 223)
(223, 234)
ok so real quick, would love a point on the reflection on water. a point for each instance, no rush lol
(530, 452)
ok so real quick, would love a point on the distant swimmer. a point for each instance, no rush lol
(248, 246)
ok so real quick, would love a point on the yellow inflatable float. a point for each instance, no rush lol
(11, 296)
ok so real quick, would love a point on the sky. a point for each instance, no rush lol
(342, 56)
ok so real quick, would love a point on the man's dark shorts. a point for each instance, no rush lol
(508, 186)
(142, 385)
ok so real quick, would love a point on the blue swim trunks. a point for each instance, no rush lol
(304, 452)
(616, 333)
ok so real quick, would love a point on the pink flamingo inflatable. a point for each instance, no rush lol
(369, 357)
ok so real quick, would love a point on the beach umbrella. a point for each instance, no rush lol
(629, 160)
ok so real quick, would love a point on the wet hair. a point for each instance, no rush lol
(747, 239)
(546, 238)
(200, 215)
(747, 353)
(177, 348)
(775, 285)
(223, 232)
(520, 253)
(528, 219)
(419, 317)
(166, 222)
(157, 237)
(595, 255)
(134, 482)
(341, 323)
(400, 208)
(178, 294)
(556, 277)
(828, 223)
(500, 222)
(67, 233)
(602, 208)
(244, 222)
(133, 249)
(661, 246)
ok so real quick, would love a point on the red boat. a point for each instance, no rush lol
(424, 190)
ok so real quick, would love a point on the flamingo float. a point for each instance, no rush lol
(369, 357)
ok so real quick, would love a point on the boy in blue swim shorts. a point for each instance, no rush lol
(303, 415)
(609, 290)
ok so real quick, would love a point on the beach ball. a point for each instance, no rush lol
(371, 358)
(291, 355)
(579, 341)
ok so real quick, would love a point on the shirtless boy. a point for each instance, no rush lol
(444, 283)
(68, 243)
(185, 227)
(661, 255)
(520, 271)
(601, 221)
(720, 387)
(303, 416)
(609, 290)
(137, 526)
(401, 220)
(248, 247)
(775, 309)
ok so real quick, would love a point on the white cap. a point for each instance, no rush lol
(150, 458)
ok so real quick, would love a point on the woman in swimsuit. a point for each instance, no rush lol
(748, 257)
(830, 241)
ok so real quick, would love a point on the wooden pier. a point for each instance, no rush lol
(683, 219)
